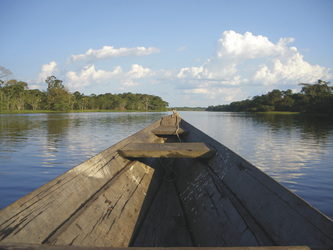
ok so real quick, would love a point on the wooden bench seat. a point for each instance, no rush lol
(166, 150)
(168, 130)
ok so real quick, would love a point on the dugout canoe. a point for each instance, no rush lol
(169, 185)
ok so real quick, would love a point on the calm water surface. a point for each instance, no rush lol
(295, 150)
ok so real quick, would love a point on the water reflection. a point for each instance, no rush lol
(309, 126)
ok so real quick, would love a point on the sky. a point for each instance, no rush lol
(190, 53)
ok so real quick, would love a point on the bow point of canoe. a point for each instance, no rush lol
(169, 185)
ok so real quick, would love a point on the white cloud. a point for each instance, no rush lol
(247, 59)
(233, 45)
(225, 93)
(137, 71)
(191, 72)
(89, 76)
(46, 71)
(291, 68)
(110, 51)
(182, 48)
(196, 91)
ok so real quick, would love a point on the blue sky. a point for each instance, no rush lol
(190, 53)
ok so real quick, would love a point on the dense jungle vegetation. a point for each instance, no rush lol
(313, 98)
(15, 95)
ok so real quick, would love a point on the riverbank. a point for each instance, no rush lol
(280, 113)
(142, 111)
(73, 111)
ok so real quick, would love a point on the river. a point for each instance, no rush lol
(296, 150)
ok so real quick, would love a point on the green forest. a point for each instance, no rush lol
(313, 98)
(15, 95)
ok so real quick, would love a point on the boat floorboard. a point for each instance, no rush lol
(166, 150)
(165, 224)
(17, 246)
(169, 130)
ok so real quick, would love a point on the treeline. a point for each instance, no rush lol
(313, 98)
(15, 95)
(189, 108)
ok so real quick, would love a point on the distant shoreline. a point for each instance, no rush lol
(75, 111)
(133, 111)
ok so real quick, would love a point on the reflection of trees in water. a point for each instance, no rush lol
(56, 126)
(314, 127)
(290, 147)
(71, 128)
(13, 130)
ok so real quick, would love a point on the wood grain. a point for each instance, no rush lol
(166, 150)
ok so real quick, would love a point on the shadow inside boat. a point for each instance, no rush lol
(161, 221)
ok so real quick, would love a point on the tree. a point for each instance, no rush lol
(16, 95)
(7, 94)
(157, 103)
(77, 97)
(20, 100)
(34, 98)
(317, 89)
(13, 94)
(3, 74)
(146, 101)
(274, 96)
(58, 97)
(320, 97)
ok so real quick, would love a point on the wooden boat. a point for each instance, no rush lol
(169, 185)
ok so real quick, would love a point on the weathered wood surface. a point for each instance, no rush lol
(169, 130)
(15, 246)
(111, 215)
(284, 217)
(166, 150)
(165, 224)
(35, 217)
(170, 120)
(212, 217)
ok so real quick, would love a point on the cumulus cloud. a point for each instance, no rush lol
(89, 75)
(240, 47)
(290, 68)
(137, 71)
(110, 51)
(46, 71)
(247, 59)
(222, 93)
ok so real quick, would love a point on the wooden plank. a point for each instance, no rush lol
(212, 218)
(169, 130)
(167, 150)
(164, 225)
(109, 219)
(170, 120)
(16, 246)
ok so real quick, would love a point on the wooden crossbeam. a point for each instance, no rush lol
(168, 130)
(166, 150)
